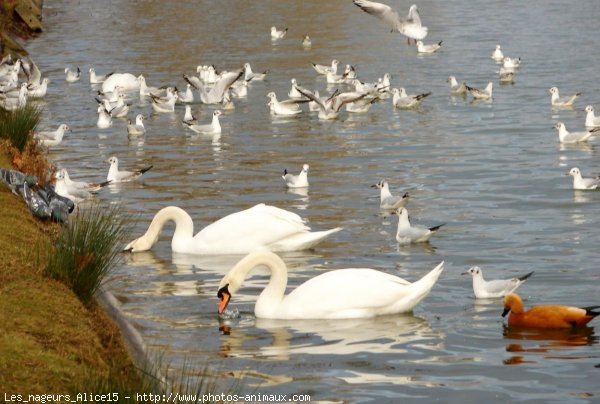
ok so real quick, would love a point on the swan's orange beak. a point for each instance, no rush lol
(224, 295)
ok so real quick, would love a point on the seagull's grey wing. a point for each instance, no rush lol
(218, 91)
(413, 15)
(499, 286)
(345, 98)
(310, 95)
(381, 11)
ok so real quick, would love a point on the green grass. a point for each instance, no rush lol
(87, 249)
(16, 126)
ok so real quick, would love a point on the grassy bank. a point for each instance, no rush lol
(50, 341)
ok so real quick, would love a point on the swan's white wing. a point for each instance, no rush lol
(346, 290)
(381, 11)
(252, 229)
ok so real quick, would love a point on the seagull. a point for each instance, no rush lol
(564, 136)
(428, 48)
(558, 101)
(137, 128)
(497, 288)
(216, 94)
(511, 63)
(52, 138)
(333, 78)
(296, 181)
(250, 75)
(213, 128)
(361, 106)
(402, 100)
(387, 200)
(114, 175)
(407, 234)
(306, 42)
(121, 109)
(72, 75)
(104, 118)
(12, 104)
(410, 27)
(38, 91)
(591, 120)
(277, 34)
(166, 103)
(294, 93)
(497, 55)
(87, 186)
(96, 78)
(484, 94)
(324, 69)
(506, 75)
(330, 108)
(455, 88)
(285, 107)
(239, 89)
(581, 183)
(187, 97)
(188, 117)
(145, 90)
(70, 192)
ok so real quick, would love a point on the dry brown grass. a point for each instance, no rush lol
(32, 161)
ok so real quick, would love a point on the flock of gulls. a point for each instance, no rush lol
(263, 230)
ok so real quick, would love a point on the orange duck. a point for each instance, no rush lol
(547, 316)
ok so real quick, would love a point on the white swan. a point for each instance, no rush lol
(260, 227)
(338, 294)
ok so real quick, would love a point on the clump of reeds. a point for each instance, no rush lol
(88, 248)
(19, 125)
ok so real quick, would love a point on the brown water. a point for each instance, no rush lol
(494, 172)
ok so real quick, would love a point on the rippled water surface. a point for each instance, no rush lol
(494, 172)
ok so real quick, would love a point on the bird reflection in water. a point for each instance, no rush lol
(280, 339)
(564, 340)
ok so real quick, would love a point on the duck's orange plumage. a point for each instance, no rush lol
(547, 316)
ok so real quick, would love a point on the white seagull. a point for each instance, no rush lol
(581, 183)
(216, 94)
(97, 78)
(591, 120)
(137, 128)
(296, 181)
(511, 63)
(52, 138)
(324, 69)
(38, 91)
(402, 100)
(387, 200)
(250, 75)
(497, 55)
(104, 118)
(455, 88)
(410, 27)
(86, 186)
(558, 101)
(564, 136)
(277, 34)
(479, 94)
(72, 75)
(407, 234)
(497, 288)
(188, 117)
(210, 129)
(114, 175)
(421, 48)
(285, 107)
(306, 42)
(330, 108)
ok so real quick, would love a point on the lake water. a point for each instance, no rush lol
(493, 171)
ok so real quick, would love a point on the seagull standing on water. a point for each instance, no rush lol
(497, 55)
(497, 288)
(564, 136)
(479, 94)
(210, 129)
(72, 75)
(455, 88)
(277, 34)
(137, 128)
(558, 101)
(97, 78)
(52, 138)
(421, 48)
(580, 183)
(296, 181)
(402, 100)
(114, 175)
(387, 200)
(407, 234)
(410, 27)
(591, 120)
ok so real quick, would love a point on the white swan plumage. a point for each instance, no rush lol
(337, 294)
(261, 227)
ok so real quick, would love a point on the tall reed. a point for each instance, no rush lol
(17, 126)
(88, 248)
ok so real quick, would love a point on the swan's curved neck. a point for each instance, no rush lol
(271, 297)
(184, 226)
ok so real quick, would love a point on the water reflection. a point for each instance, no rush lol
(553, 343)
(385, 334)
